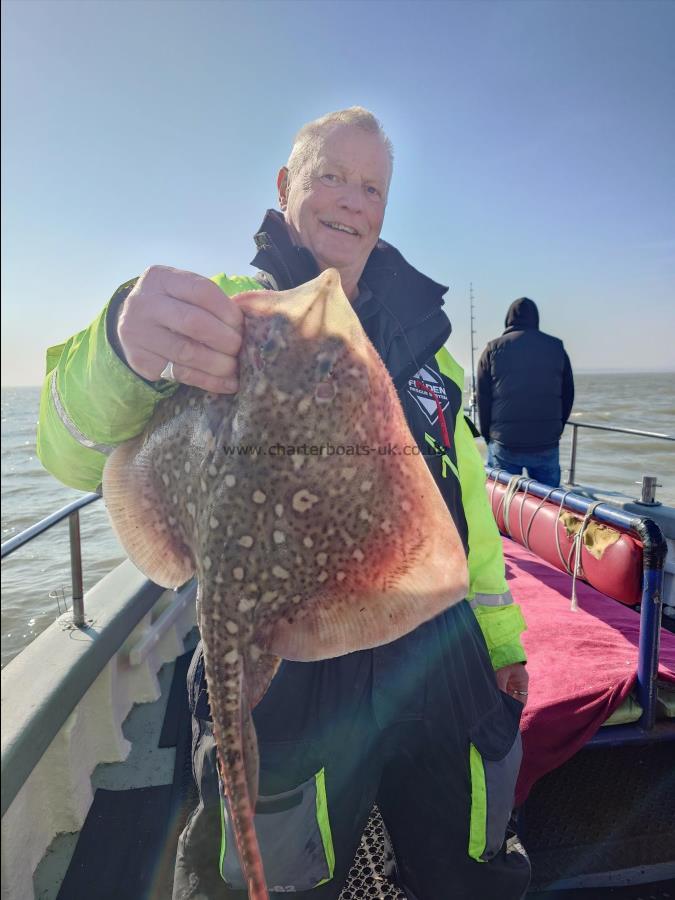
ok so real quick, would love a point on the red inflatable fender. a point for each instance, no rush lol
(534, 524)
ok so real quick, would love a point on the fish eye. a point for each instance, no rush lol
(325, 366)
(269, 347)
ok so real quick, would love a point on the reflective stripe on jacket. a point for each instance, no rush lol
(92, 401)
(500, 619)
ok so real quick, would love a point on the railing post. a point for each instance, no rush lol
(573, 457)
(76, 569)
(654, 559)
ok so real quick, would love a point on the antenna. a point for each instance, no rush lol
(472, 398)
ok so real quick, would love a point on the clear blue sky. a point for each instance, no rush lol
(534, 145)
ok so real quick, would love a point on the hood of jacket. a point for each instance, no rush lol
(522, 313)
(413, 325)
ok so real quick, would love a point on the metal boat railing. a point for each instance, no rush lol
(72, 513)
(571, 472)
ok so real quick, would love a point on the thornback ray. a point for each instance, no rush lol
(259, 676)
(138, 512)
(313, 524)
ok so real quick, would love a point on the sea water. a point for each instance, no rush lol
(36, 578)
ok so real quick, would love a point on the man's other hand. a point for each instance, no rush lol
(514, 681)
(180, 317)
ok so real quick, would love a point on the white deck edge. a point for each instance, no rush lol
(79, 722)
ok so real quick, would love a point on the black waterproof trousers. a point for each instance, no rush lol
(418, 727)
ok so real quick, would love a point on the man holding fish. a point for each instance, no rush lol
(334, 600)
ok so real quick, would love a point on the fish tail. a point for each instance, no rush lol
(242, 809)
(238, 760)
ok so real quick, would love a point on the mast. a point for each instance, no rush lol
(472, 398)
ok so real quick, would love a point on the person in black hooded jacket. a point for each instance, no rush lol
(525, 393)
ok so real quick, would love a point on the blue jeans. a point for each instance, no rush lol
(542, 465)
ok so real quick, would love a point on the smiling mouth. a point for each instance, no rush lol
(338, 226)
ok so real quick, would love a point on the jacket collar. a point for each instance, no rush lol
(277, 255)
(389, 276)
(513, 328)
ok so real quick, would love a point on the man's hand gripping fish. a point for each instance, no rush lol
(300, 554)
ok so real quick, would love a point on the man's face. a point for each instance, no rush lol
(335, 205)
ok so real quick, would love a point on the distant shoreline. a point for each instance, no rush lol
(657, 371)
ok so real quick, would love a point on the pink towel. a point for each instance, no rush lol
(582, 664)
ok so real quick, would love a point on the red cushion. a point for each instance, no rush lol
(618, 573)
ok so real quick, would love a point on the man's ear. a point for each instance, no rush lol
(282, 187)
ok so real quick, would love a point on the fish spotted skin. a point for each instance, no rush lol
(301, 551)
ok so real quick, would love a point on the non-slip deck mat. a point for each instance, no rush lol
(176, 707)
(120, 849)
(605, 809)
(655, 890)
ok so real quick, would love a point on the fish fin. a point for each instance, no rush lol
(140, 520)
(259, 677)
(251, 758)
(342, 621)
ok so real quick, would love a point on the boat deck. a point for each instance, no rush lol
(580, 825)
(147, 765)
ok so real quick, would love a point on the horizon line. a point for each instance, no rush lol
(582, 370)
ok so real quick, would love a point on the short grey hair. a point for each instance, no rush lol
(307, 140)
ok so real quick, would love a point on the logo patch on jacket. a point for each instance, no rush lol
(423, 387)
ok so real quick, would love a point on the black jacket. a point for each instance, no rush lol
(524, 384)
(404, 319)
